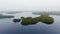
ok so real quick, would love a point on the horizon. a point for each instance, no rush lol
(29, 5)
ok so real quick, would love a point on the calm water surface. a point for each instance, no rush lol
(7, 26)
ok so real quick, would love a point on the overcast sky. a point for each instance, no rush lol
(29, 5)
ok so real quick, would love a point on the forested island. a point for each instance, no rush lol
(44, 18)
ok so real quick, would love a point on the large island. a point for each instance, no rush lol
(29, 20)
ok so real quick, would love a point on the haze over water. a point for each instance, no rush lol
(7, 26)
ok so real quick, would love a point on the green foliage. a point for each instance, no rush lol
(45, 19)
(29, 20)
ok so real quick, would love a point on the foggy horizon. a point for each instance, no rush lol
(29, 5)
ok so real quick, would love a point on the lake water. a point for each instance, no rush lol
(7, 26)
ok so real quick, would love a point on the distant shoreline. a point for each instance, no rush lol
(49, 13)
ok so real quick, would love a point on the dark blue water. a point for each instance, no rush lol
(7, 26)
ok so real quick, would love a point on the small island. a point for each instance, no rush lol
(16, 20)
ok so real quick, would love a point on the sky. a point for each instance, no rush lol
(29, 5)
